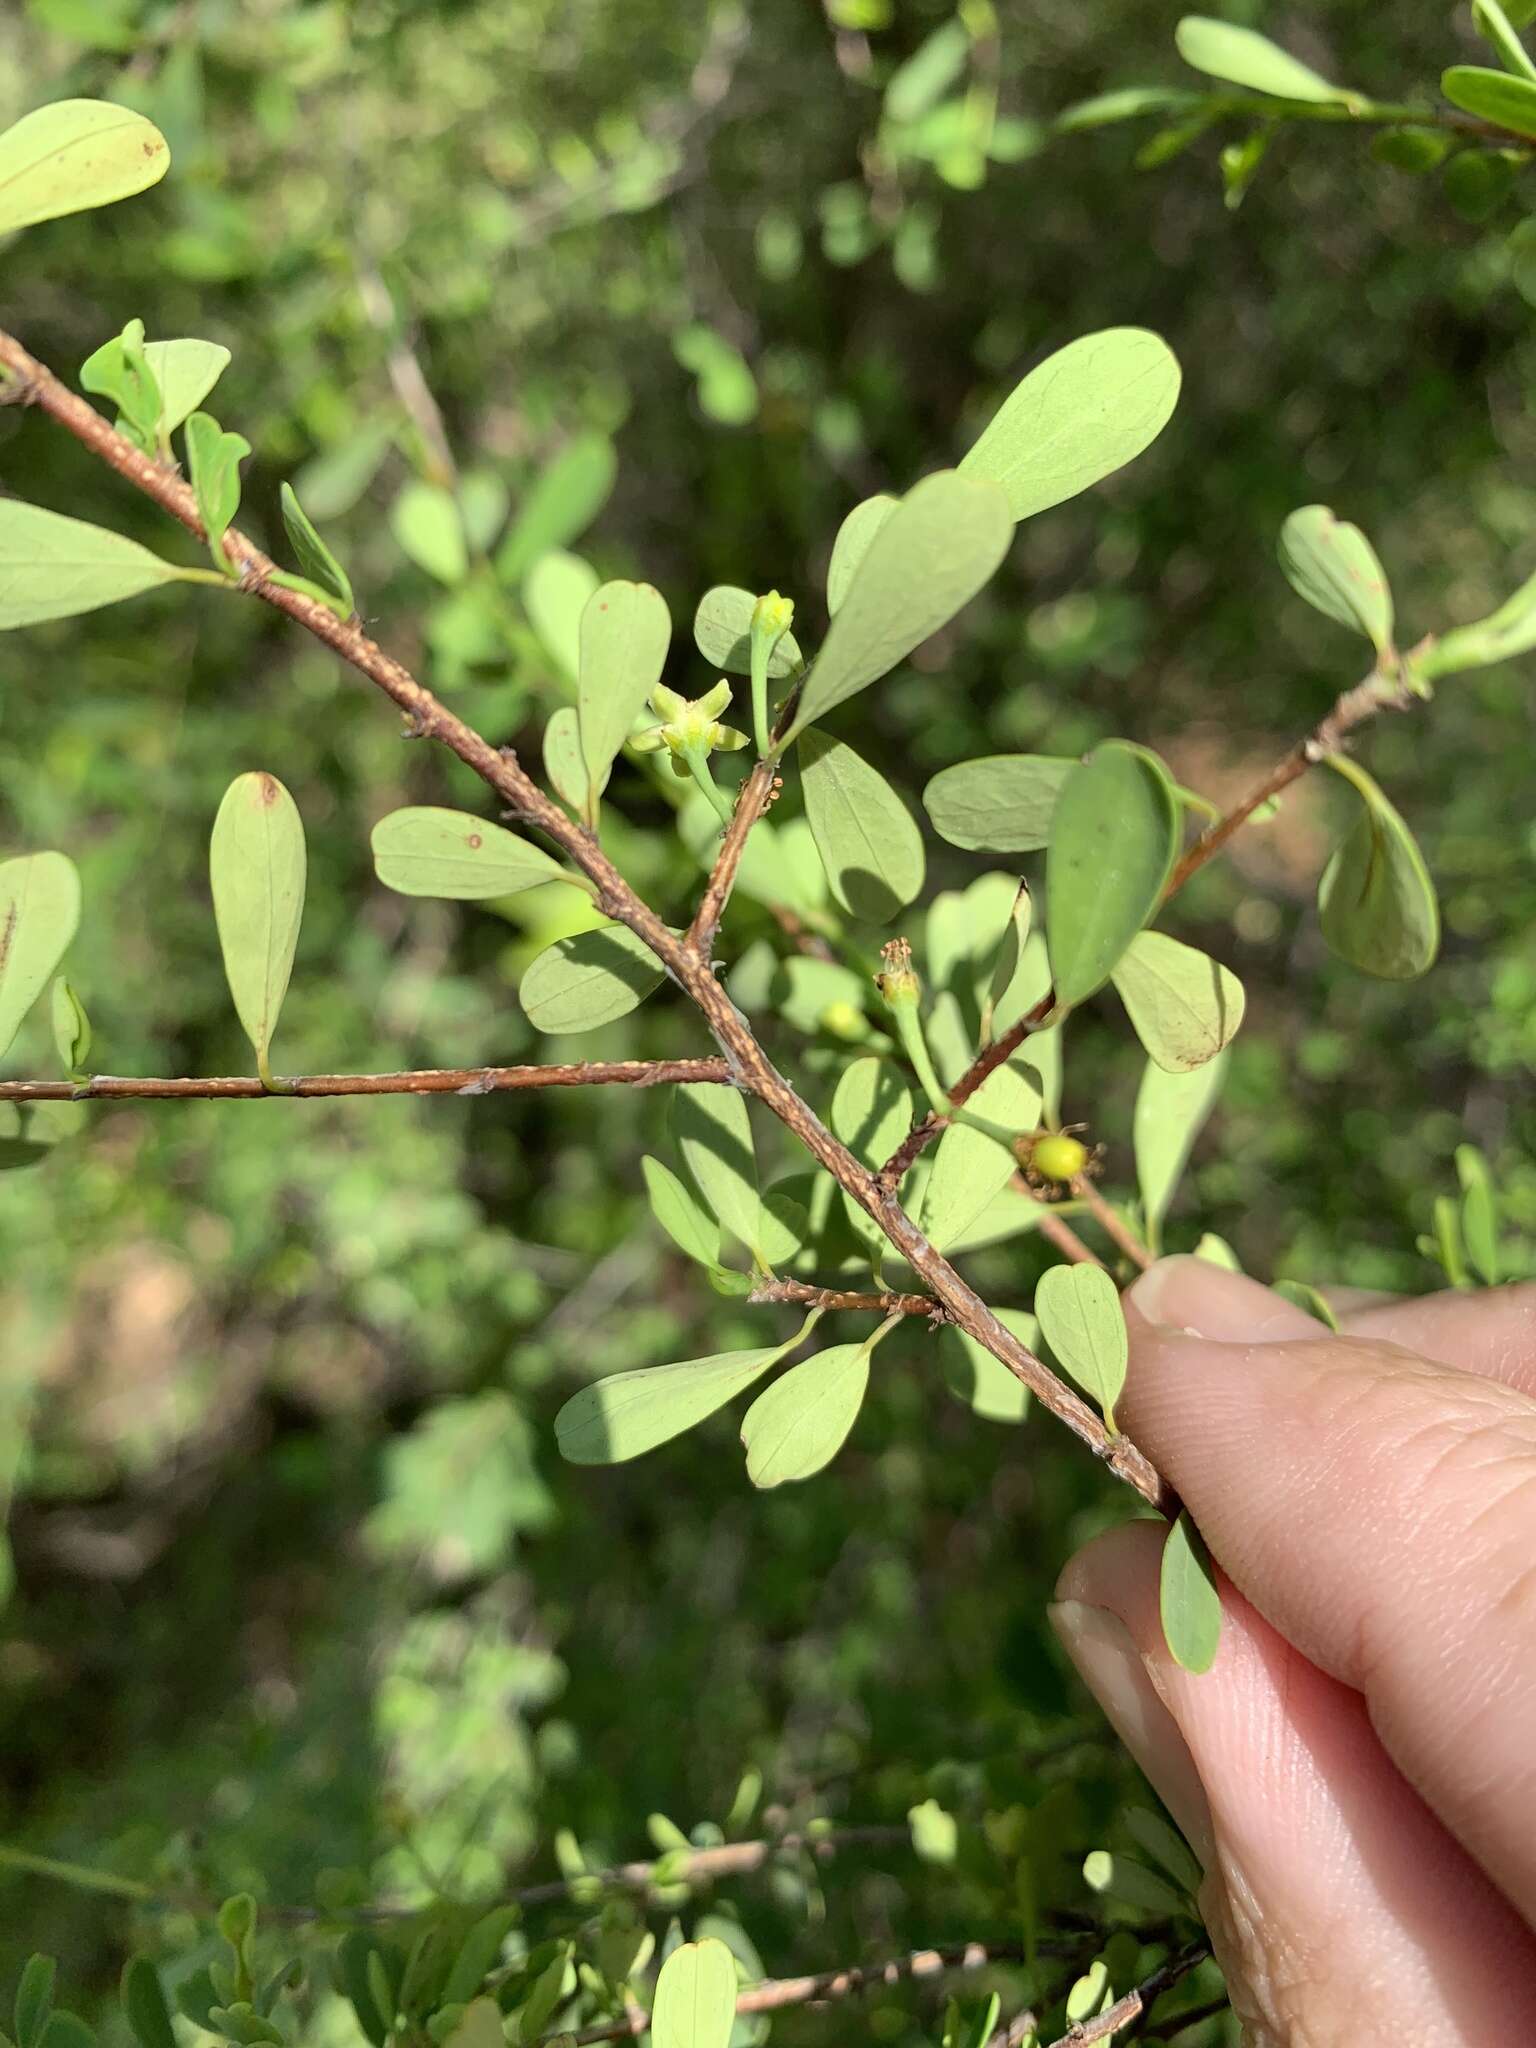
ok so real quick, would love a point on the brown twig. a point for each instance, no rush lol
(802, 1294)
(430, 1081)
(752, 799)
(1060, 1231)
(1136, 2002)
(1111, 1222)
(501, 771)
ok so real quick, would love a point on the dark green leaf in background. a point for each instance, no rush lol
(564, 499)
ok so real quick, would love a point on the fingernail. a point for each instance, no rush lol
(1196, 1299)
(1109, 1664)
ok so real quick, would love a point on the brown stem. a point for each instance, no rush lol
(802, 1294)
(1060, 1232)
(501, 771)
(752, 799)
(1111, 1222)
(1136, 2002)
(430, 1081)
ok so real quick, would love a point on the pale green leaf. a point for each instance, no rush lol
(630, 1413)
(1080, 1317)
(71, 1026)
(29, 1131)
(74, 155)
(779, 864)
(1185, 1006)
(797, 1426)
(1509, 631)
(784, 1228)
(695, 1997)
(1083, 413)
(555, 594)
(722, 632)
(1241, 56)
(1479, 1214)
(921, 80)
(186, 371)
(1495, 27)
(1309, 1299)
(256, 863)
(1014, 1212)
(852, 545)
(565, 769)
(625, 632)
(981, 1381)
(929, 559)
(1334, 567)
(726, 387)
(1170, 1114)
(314, 558)
(1492, 96)
(565, 498)
(426, 521)
(120, 370)
(714, 1134)
(1002, 803)
(871, 1113)
(868, 843)
(39, 915)
(213, 464)
(679, 1214)
(1217, 1252)
(972, 1165)
(52, 567)
(427, 851)
(935, 1832)
(1376, 902)
(588, 979)
(1114, 834)
(1188, 1599)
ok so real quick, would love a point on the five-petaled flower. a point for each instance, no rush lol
(689, 726)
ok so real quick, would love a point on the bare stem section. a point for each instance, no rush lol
(428, 1081)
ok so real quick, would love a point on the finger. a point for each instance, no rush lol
(1492, 1333)
(1379, 1510)
(1340, 1909)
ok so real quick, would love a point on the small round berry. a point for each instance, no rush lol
(1056, 1156)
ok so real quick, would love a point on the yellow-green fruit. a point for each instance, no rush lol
(843, 1020)
(1058, 1157)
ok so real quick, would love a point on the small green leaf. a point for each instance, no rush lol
(1185, 1006)
(1083, 413)
(1509, 631)
(1478, 181)
(74, 155)
(852, 544)
(425, 851)
(589, 979)
(1495, 27)
(566, 497)
(1241, 56)
(935, 1833)
(1241, 163)
(314, 558)
(1188, 1599)
(1081, 1319)
(1479, 1214)
(71, 1030)
(52, 567)
(1127, 103)
(34, 2000)
(478, 1955)
(185, 371)
(565, 770)
(921, 80)
(355, 1952)
(629, 1413)
(257, 865)
(870, 847)
(726, 387)
(714, 1134)
(1171, 1110)
(1411, 149)
(120, 370)
(871, 1113)
(1376, 902)
(144, 2004)
(1166, 1847)
(680, 1215)
(799, 1424)
(722, 632)
(625, 632)
(39, 916)
(972, 1165)
(983, 1382)
(213, 461)
(1114, 834)
(426, 521)
(695, 1997)
(1217, 1252)
(1308, 1299)
(1492, 96)
(928, 560)
(1334, 567)
(556, 591)
(1002, 803)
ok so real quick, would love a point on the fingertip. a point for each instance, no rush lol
(1194, 1298)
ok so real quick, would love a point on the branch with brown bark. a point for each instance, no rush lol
(428, 1081)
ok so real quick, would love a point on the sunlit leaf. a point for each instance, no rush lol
(426, 521)
(1241, 56)
(52, 567)
(722, 632)
(1184, 1005)
(213, 465)
(555, 594)
(186, 371)
(1479, 1215)
(1170, 1114)
(1078, 1308)
(1376, 902)
(120, 370)
(1492, 96)
(1002, 803)
(679, 1214)
(565, 498)
(588, 979)
(625, 633)
(714, 1134)
(871, 1113)
(1217, 1252)
(981, 1381)
(314, 558)
(798, 1425)
(1128, 1883)
(972, 1165)
(1334, 567)
(784, 1228)
(928, 560)
(869, 845)
(852, 544)
(256, 863)
(727, 389)
(74, 155)
(1114, 834)
(1188, 1599)
(921, 80)
(426, 851)
(695, 2004)
(1083, 413)
(630, 1413)
(39, 915)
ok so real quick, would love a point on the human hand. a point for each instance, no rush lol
(1357, 1772)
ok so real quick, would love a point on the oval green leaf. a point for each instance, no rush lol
(971, 1166)
(314, 558)
(1240, 56)
(256, 863)
(1080, 1317)
(556, 592)
(426, 521)
(426, 851)
(852, 544)
(1185, 1006)
(625, 633)
(680, 1215)
(39, 916)
(799, 1424)
(983, 1382)
(1509, 631)
(1002, 803)
(869, 845)
(630, 1413)
(1492, 96)
(74, 155)
(1083, 413)
(871, 1113)
(722, 632)
(1187, 1597)
(714, 1134)
(1376, 901)
(71, 1026)
(186, 371)
(566, 497)
(564, 768)
(695, 1997)
(52, 567)
(928, 560)
(588, 980)
(1114, 834)
(1495, 26)
(144, 2004)
(1170, 1114)
(1334, 567)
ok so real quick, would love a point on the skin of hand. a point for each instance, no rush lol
(1357, 1771)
